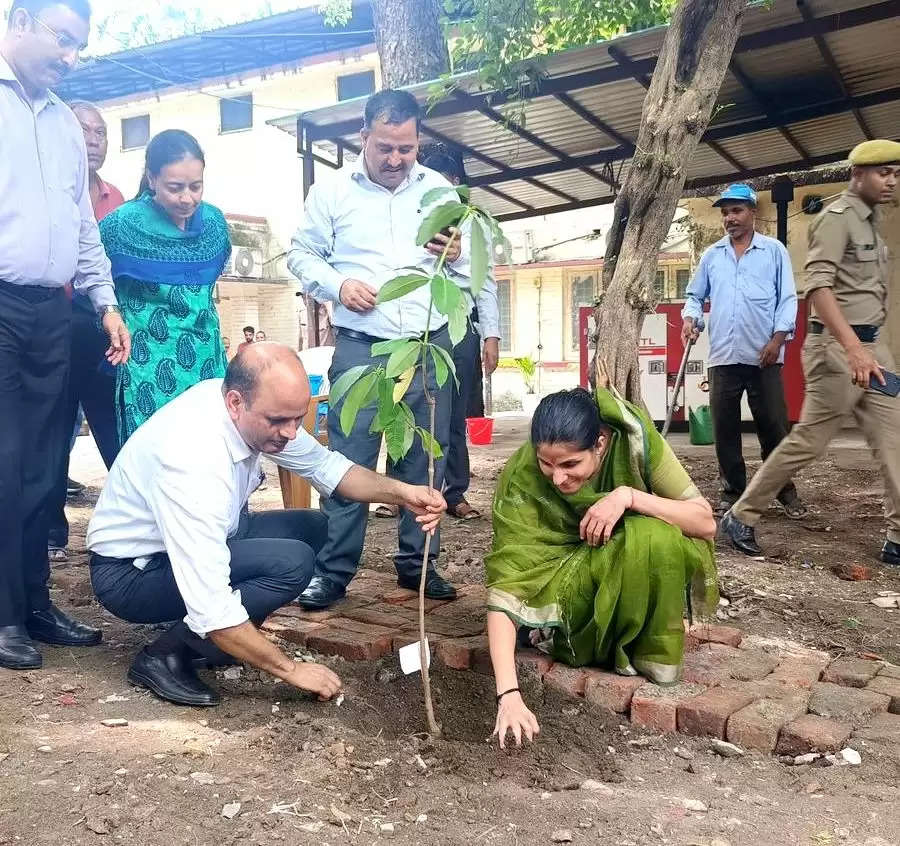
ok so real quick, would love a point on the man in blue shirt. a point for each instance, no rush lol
(753, 305)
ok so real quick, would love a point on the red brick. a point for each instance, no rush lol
(568, 680)
(795, 672)
(398, 595)
(479, 591)
(890, 671)
(851, 672)
(318, 616)
(656, 708)
(406, 638)
(889, 687)
(610, 690)
(707, 715)
(389, 616)
(430, 604)
(465, 606)
(769, 688)
(704, 633)
(456, 653)
(757, 726)
(853, 572)
(351, 640)
(708, 665)
(885, 728)
(291, 628)
(534, 661)
(481, 660)
(810, 733)
(847, 704)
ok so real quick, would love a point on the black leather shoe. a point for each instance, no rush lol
(54, 627)
(17, 651)
(171, 678)
(320, 593)
(742, 536)
(890, 553)
(435, 586)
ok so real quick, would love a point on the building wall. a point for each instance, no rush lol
(708, 219)
(272, 307)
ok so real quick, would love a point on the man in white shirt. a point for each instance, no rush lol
(170, 537)
(359, 230)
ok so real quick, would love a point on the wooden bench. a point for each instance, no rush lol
(296, 492)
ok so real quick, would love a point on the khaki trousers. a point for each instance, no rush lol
(830, 396)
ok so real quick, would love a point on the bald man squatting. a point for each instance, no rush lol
(170, 538)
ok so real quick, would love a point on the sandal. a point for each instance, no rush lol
(387, 511)
(795, 509)
(57, 554)
(463, 511)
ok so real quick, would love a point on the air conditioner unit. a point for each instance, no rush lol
(244, 263)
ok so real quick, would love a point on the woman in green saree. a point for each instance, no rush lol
(601, 543)
(167, 249)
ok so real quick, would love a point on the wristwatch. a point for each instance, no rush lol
(108, 309)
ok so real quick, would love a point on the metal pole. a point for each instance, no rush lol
(679, 379)
(304, 147)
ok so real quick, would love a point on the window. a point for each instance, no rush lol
(659, 284)
(135, 132)
(504, 303)
(236, 113)
(682, 280)
(583, 292)
(355, 85)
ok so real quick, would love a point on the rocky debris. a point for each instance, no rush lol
(694, 805)
(594, 786)
(114, 722)
(561, 835)
(725, 749)
(231, 810)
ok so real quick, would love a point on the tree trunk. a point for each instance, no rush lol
(410, 41)
(677, 109)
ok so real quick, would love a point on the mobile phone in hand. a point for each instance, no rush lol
(891, 385)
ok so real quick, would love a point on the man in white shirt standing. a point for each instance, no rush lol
(170, 537)
(359, 230)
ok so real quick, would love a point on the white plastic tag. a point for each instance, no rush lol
(410, 659)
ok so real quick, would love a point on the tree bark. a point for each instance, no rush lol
(677, 109)
(410, 41)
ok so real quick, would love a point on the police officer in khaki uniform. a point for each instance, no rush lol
(847, 289)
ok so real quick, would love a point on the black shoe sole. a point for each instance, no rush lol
(145, 681)
(890, 560)
(52, 641)
(443, 597)
(22, 665)
(319, 606)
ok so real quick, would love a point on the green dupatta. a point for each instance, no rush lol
(620, 605)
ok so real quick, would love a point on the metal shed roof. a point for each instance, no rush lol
(229, 51)
(808, 80)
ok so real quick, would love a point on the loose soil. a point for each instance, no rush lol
(308, 772)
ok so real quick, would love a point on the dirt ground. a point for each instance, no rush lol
(362, 772)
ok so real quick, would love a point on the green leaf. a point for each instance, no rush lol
(387, 408)
(393, 438)
(357, 397)
(345, 382)
(457, 322)
(387, 347)
(402, 359)
(434, 195)
(464, 192)
(446, 294)
(447, 214)
(431, 446)
(402, 384)
(480, 257)
(438, 352)
(441, 371)
(400, 286)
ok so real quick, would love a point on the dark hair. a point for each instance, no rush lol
(393, 107)
(567, 417)
(248, 329)
(86, 106)
(449, 165)
(165, 148)
(82, 8)
(242, 377)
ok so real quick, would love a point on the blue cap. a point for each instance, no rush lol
(737, 192)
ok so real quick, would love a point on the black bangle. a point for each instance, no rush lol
(511, 690)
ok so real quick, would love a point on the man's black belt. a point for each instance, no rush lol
(31, 293)
(866, 332)
(362, 337)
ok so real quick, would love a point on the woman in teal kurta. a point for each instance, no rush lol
(167, 248)
(601, 545)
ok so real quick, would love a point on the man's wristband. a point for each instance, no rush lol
(108, 309)
(511, 690)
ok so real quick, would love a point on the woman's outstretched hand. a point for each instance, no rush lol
(512, 715)
(600, 519)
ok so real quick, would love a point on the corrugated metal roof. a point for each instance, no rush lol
(785, 104)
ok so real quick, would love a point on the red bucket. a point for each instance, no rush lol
(481, 430)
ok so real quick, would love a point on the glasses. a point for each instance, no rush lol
(63, 40)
